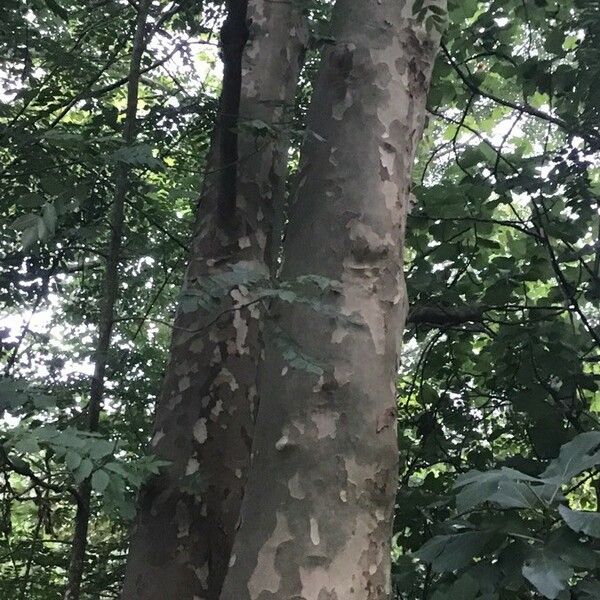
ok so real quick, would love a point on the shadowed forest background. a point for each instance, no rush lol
(498, 389)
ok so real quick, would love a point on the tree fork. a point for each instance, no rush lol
(111, 289)
(316, 520)
(204, 423)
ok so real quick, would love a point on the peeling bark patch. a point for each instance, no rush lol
(282, 442)
(182, 516)
(340, 108)
(353, 558)
(192, 466)
(342, 374)
(175, 400)
(314, 532)
(197, 346)
(200, 431)
(358, 474)
(368, 245)
(265, 577)
(386, 419)
(326, 424)
(387, 155)
(241, 328)
(159, 435)
(202, 574)
(315, 583)
(359, 300)
(217, 410)
(226, 376)
(295, 487)
(339, 334)
(184, 384)
(391, 193)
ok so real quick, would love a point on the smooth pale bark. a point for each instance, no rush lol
(205, 417)
(316, 520)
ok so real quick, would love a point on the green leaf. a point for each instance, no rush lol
(70, 438)
(465, 588)
(49, 216)
(31, 200)
(84, 470)
(505, 487)
(25, 222)
(578, 455)
(587, 590)
(72, 460)
(118, 469)
(29, 237)
(554, 42)
(140, 155)
(100, 480)
(452, 552)
(581, 521)
(27, 445)
(101, 448)
(20, 463)
(548, 573)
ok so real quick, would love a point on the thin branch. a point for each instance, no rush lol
(591, 137)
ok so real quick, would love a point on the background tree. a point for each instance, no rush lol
(62, 122)
(505, 371)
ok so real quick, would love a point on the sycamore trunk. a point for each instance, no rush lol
(316, 521)
(205, 417)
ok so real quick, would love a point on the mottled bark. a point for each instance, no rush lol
(108, 302)
(317, 515)
(205, 417)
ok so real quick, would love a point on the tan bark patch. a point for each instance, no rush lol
(265, 576)
(295, 487)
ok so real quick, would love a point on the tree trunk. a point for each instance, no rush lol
(111, 289)
(205, 417)
(317, 516)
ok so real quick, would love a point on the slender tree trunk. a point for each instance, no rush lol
(205, 417)
(317, 515)
(111, 283)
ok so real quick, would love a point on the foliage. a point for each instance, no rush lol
(498, 393)
(63, 81)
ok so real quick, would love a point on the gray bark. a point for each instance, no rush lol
(317, 516)
(205, 417)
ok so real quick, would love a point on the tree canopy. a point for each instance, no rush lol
(498, 389)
